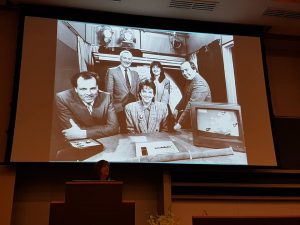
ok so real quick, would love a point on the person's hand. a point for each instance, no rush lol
(74, 132)
(177, 126)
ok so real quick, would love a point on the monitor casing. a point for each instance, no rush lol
(217, 140)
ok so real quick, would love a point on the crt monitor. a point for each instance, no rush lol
(217, 125)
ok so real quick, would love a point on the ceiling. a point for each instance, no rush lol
(283, 16)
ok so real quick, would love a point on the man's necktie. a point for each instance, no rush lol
(127, 80)
(90, 108)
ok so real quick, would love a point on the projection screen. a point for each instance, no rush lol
(55, 124)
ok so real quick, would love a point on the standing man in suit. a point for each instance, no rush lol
(196, 90)
(84, 111)
(122, 83)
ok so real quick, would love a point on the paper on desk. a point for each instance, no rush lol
(166, 157)
(188, 155)
(155, 148)
(136, 139)
(211, 153)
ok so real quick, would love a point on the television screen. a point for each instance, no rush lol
(92, 91)
(218, 126)
(218, 122)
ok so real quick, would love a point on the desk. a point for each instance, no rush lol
(121, 148)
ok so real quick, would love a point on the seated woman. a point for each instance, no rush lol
(146, 115)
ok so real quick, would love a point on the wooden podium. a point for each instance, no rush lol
(92, 202)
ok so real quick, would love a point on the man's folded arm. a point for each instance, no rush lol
(110, 128)
(63, 113)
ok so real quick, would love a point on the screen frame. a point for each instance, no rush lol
(62, 13)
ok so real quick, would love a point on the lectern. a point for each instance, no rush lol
(93, 202)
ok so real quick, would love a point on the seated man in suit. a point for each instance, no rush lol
(84, 111)
(122, 83)
(146, 115)
(196, 89)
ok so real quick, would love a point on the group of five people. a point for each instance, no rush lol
(127, 105)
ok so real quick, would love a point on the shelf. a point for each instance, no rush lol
(167, 61)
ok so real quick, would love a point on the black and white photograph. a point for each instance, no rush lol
(133, 94)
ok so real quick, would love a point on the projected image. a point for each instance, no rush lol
(129, 91)
(218, 121)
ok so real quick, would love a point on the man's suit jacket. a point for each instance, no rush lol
(116, 85)
(100, 123)
(136, 121)
(196, 90)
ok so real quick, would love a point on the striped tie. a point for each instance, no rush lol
(127, 80)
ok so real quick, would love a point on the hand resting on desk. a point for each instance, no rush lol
(74, 132)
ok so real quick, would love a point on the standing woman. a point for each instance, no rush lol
(161, 82)
(158, 77)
